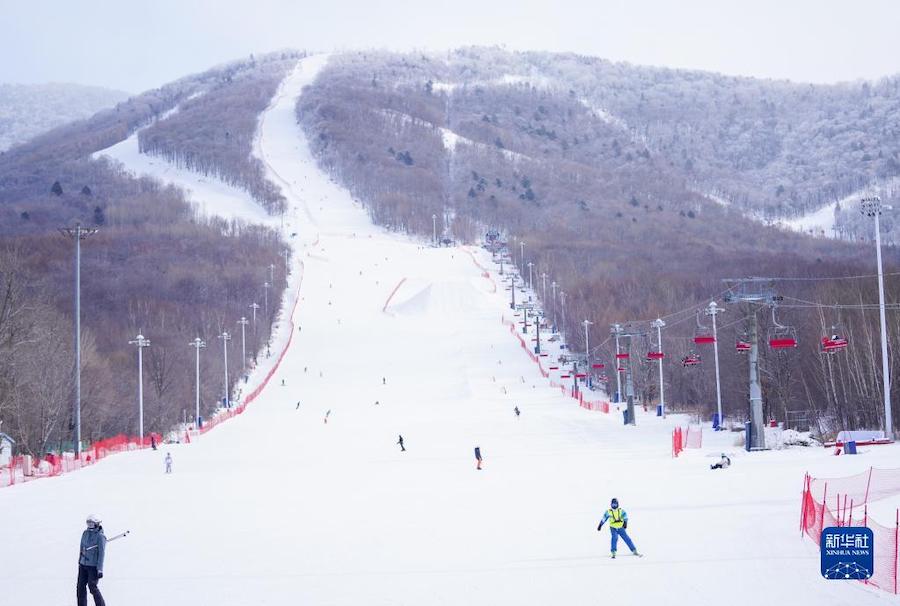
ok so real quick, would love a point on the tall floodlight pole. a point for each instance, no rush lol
(254, 307)
(77, 233)
(587, 348)
(530, 276)
(871, 206)
(287, 262)
(434, 230)
(266, 287)
(537, 325)
(562, 296)
(616, 331)
(141, 343)
(271, 273)
(243, 322)
(225, 339)
(658, 324)
(553, 300)
(522, 256)
(197, 344)
(712, 310)
(512, 289)
(543, 287)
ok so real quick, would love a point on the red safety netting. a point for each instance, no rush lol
(601, 406)
(844, 502)
(25, 468)
(686, 437)
(677, 442)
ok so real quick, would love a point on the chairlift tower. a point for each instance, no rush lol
(758, 291)
(616, 331)
(629, 331)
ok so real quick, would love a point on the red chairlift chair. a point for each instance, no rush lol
(655, 355)
(833, 343)
(692, 359)
(781, 336)
(703, 334)
(742, 345)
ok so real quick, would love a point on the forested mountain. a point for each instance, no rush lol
(27, 110)
(156, 266)
(579, 158)
(609, 174)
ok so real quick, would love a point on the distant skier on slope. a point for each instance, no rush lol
(298, 405)
(327, 414)
(168, 462)
(478, 457)
(617, 525)
(724, 463)
(90, 562)
(517, 411)
(400, 442)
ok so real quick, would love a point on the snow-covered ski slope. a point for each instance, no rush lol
(278, 507)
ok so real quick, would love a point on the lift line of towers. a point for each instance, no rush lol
(748, 291)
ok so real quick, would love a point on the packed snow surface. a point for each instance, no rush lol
(279, 507)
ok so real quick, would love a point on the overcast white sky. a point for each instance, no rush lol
(134, 45)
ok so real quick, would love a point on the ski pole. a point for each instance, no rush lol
(111, 539)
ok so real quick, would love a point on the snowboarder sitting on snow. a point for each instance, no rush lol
(724, 463)
(618, 522)
(90, 562)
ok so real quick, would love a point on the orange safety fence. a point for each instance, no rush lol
(686, 437)
(24, 468)
(601, 406)
(838, 502)
(484, 270)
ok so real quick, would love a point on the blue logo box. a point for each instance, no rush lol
(848, 553)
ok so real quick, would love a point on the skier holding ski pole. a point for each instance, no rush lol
(618, 523)
(90, 562)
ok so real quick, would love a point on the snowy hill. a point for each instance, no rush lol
(27, 110)
(307, 499)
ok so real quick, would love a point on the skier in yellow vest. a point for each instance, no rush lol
(618, 522)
